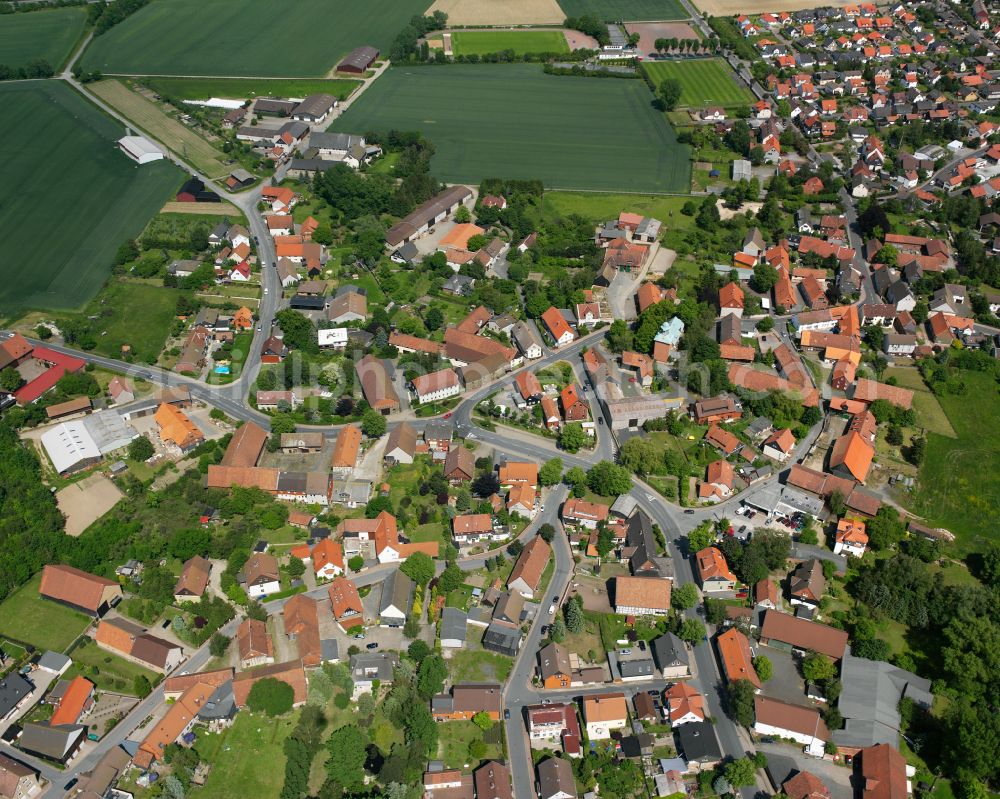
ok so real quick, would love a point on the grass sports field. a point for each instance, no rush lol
(40, 34)
(25, 616)
(481, 42)
(627, 10)
(514, 121)
(959, 486)
(706, 81)
(69, 199)
(247, 38)
(236, 89)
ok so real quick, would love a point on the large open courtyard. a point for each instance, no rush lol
(514, 121)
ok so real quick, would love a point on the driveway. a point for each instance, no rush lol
(786, 684)
(784, 760)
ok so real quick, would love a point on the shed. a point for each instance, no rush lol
(358, 60)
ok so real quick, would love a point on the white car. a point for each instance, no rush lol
(265, 292)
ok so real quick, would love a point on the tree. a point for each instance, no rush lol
(346, 763)
(741, 772)
(141, 686)
(356, 563)
(433, 319)
(551, 472)
(557, 632)
(514, 548)
(271, 696)
(431, 676)
(373, 423)
(764, 277)
(721, 785)
(547, 532)
(701, 537)
(418, 650)
(609, 479)
(482, 720)
(619, 336)
(572, 437)
(684, 596)
(573, 614)
(295, 568)
(10, 380)
(477, 749)
(817, 667)
(419, 567)
(669, 93)
(140, 449)
(692, 631)
(762, 665)
(740, 702)
(411, 627)
(218, 645)
(451, 578)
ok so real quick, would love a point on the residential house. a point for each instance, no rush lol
(396, 599)
(472, 528)
(401, 445)
(804, 725)
(345, 602)
(805, 785)
(555, 779)
(254, 644)
(574, 409)
(603, 714)
(554, 668)
(671, 656)
(459, 465)
(851, 538)
(699, 745)
(376, 384)
(780, 445)
(527, 572)
(260, 575)
(467, 700)
(193, 580)
(714, 574)
(345, 451)
(806, 585)
(581, 513)
(736, 657)
(642, 596)
(493, 781)
(684, 704)
(17, 780)
(557, 327)
(436, 386)
(717, 409)
(133, 643)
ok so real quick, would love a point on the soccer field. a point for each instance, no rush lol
(69, 198)
(247, 38)
(481, 42)
(625, 10)
(40, 34)
(705, 81)
(514, 121)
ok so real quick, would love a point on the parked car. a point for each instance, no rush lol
(373, 645)
(506, 713)
(359, 636)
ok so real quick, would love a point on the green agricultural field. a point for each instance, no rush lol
(626, 10)
(514, 121)
(49, 35)
(246, 38)
(705, 81)
(482, 42)
(69, 199)
(25, 616)
(236, 89)
(959, 485)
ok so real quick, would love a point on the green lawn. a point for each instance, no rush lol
(247, 38)
(236, 89)
(49, 35)
(25, 616)
(625, 10)
(69, 199)
(459, 598)
(113, 673)
(930, 414)
(118, 323)
(514, 121)
(454, 738)
(705, 81)
(482, 42)
(250, 759)
(478, 665)
(959, 485)
(602, 207)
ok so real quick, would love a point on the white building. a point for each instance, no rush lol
(140, 149)
(604, 713)
(79, 443)
(804, 725)
(333, 338)
(437, 386)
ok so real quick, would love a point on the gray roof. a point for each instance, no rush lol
(624, 505)
(220, 705)
(870, 698)
(109, 430)
(329, 649)
(453, 624)
(698, 742)
(397, 590)
(637, 666)
(360, 57)
(525, 337)
(52, 742)
(457, 283)
(501, 637)
(759, 426)
(324, 140)
(669, 651)
(315, 105)
(438, 431)
(13, 688)
(54, 661)
(374, 666)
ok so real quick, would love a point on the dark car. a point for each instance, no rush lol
(506, 713)
(373, 645)
(71, 783)
(555, 600)
(689, 511)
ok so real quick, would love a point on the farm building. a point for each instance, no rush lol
(358, 60)
(140, 149)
